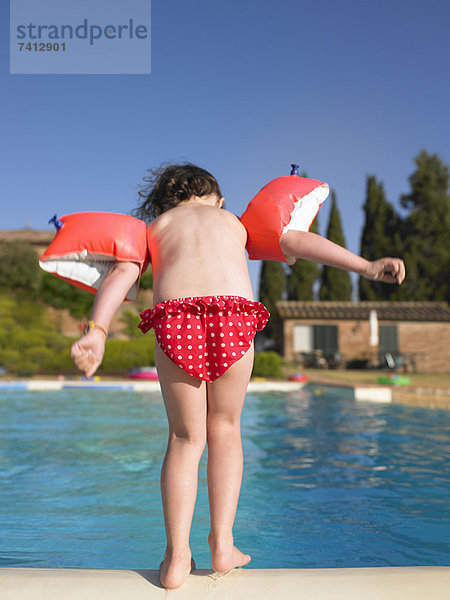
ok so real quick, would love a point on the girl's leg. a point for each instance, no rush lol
(185, 402)
(225, 461)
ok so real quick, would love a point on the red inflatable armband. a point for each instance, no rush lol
(286, 203)
(88, 243)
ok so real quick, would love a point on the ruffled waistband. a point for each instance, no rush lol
(197, 305)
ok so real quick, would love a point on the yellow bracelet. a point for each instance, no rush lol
(91, 325)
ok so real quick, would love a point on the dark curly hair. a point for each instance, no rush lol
(169, 185)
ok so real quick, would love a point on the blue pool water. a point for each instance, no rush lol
(328, 482)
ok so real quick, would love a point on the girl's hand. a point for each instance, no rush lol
(87, 352)
(389, 270)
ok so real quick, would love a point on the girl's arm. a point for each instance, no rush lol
(87, 352)
(310, 246)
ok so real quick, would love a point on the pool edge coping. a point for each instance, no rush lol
(416, 396)
(381, 583)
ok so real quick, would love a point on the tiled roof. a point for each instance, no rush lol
(386, 311)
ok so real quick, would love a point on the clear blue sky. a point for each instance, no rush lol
(242, 88)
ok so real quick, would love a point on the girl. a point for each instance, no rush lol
(205, 320)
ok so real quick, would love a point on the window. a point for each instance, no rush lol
(316, 337)
(388, 341)
(303, 338)
(326, 338)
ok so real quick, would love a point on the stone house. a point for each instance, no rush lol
(415, 334)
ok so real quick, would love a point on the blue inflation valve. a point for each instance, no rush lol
(56, 222)
(294, 169)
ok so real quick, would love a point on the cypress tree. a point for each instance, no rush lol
(302, 276)
(426, 249)
(272, 285)
(380, 237)
(335, 283)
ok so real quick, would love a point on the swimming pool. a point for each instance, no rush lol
(328, 481)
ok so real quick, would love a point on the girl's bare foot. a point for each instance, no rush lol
(225, 557)
(173, 571)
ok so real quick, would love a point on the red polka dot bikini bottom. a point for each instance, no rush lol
(205, 335)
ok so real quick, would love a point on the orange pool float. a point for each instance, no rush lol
(87, 243)
(285, 203)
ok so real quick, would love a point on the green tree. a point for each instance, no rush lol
(28, 337)
(426, 250)
(335, 283)
(131, 319)
(380, 237)
(303, 275)
(272, 285)
(19, 267)
(62, 294)
(146, 281)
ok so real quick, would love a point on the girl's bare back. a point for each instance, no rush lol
(198, 249)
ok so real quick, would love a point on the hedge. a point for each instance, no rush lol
(123, 355)
(267, 364)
